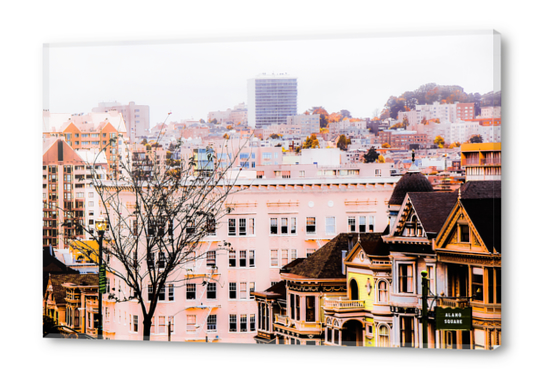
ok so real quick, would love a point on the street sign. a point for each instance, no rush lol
(101, 280)
(453, 318)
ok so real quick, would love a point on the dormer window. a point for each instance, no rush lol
(464, 235)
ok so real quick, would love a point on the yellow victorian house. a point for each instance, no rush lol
(363, 317)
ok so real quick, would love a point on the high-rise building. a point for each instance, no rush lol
(271, 99)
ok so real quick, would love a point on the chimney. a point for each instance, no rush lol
(350, 241)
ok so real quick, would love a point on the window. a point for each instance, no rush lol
(284, 257)
(366, 224)
(171, 323)
(284, 225)
(233, 323)
(190, 291)
(242, 227)
(382, 291)
(310, 315)
(211, 226)
(243, 290)
(273, 226)
(190, 323)
(406, 279)
(351, 224)
(330, 225)
(431, 277)
(243, 258)
(251, 228)
(134, 325)
(233, 258)
(464, 233)
(211, 291)
(274, 258)
(211, 258)
(231, 227)
(293, 225)
(233, 290)
(383, 336)
(251, 289)
(253, 323)
(407, 331)
(161, 324)
(211, 323)
(477, 287)
(243, 323)
(310, 252)
(251, 258)
(171, 292)
(311, 225)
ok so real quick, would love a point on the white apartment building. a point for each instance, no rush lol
(461, 131)
(271, 99)
(491, 112)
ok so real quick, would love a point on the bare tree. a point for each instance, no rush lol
(158, 209)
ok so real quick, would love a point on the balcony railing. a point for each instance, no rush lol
(305, 326)
(454, 303)
(282, 320)
(490, 161)
(339, 304)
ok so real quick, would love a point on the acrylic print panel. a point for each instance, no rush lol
(322, 191)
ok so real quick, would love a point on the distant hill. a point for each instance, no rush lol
(431, 92)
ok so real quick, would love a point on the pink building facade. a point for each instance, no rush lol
(273, 221)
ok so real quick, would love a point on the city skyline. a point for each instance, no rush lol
(191, 79)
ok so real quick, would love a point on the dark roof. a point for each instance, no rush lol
(432, 208)
(486, 217)
(326, 262)
(373, 245)
(288, 267)
(278, 290)
(409, 182)
(481, 189)
(57, 280)
(51, 265)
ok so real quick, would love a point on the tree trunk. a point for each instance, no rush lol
(147, 322)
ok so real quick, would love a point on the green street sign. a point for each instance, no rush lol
(101, 280)
(453, 318)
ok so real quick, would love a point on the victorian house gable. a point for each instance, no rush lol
(358, 318)
(469, 246)
(411, 244)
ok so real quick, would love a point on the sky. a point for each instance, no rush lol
(190, 78)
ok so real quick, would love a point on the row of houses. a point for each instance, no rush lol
(365, 289)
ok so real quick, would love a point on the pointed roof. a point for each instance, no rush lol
(485, 214)
(479, 189)
(373, 245)
(326, 262)
(432, 208)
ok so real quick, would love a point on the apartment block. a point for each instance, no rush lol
(271, 99)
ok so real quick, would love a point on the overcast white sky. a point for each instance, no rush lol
(192, 78)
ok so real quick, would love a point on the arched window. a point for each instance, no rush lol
(383, 336)
(382, 291)
(354, 292)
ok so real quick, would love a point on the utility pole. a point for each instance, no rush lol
(425, 293)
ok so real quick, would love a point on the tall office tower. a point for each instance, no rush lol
(271, 99)
(136, 117)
